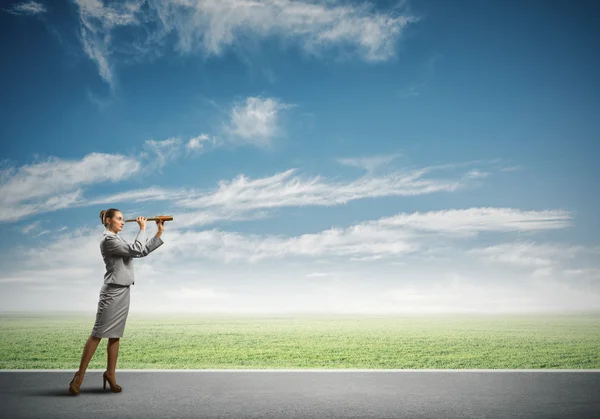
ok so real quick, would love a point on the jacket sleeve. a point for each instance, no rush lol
(140, 247)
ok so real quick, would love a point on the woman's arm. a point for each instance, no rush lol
(160, 227)
(138, 249)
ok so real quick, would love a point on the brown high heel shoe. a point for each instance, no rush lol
(73, 386)
(114, 387)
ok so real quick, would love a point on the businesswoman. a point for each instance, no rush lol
(113, 304)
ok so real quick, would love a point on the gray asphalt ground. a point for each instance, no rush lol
(305, 394)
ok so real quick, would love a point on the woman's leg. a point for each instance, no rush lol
(88, 352)
(113, 352)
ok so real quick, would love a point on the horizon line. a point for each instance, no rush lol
(317, 370)
(580, 311)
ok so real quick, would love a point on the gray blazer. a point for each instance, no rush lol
(118, 255)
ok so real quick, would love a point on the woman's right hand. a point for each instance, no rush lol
(141, 222)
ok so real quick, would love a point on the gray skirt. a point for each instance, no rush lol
(113, 308)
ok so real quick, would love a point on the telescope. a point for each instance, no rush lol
(158, 217)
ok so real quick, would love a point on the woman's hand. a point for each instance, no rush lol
(160, 225)
(141, 222)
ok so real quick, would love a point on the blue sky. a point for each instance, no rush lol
(339, 156)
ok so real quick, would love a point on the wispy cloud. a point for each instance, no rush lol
(141, 195)
(317, 274)
(401, 234)
(473, 220)
(27, 8)
(197, 143)
(511, 168)
(255, 120)
(531, 254)
(29, 227)
(56, 183)
(244, 196)
(462, 282)
(211, 27)
(97, 50)
(52, 231)
(388, 237)
(370, 163)
(477, 174)
(252, 121)
(96, 24)
(161, 152)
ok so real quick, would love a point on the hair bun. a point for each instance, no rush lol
(102, 216)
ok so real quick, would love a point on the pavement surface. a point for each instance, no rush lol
(305, 394)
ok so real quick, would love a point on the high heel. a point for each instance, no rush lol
(114, 387)
(74, 387)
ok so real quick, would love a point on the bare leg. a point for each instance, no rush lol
(88, 352)
(113, 352)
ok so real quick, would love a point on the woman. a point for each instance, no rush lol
(113, 305)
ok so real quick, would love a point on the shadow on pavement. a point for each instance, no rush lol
(57, 392)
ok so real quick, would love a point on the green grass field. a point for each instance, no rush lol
(53, 341)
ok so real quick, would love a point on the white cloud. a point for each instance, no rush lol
(256, 120)
(63, 248)
(27, 8)
(588, 271)
(96, 24)
(511, 168)
(385, 237)
(197, 143)
(227, 246)
(141, 195)
(239, 199)
(161, 152)
(471, 220)
(244, 199)
(210, 27)
(51, 231)
(542, 257)
(215, 25)
(58, 175)
(120, 13)
(477, 174)
(97, 51)
(55, 183)
(26, 229)
(524, 253)
(232, 272)
(382, 238)
(388, 237)
(243, 196)
(371, 163)
(317, 274)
